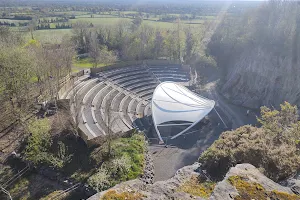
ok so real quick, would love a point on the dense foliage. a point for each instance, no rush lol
(126, 163)
(274, 147)
(30, 73)
(134, 41)
(38, 148)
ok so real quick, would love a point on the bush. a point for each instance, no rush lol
(273, 147)
(39, 145)
(126, 162)
(100, 181)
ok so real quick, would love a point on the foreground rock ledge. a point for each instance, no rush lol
(224, 190)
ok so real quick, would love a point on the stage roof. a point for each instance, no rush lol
(175, 105)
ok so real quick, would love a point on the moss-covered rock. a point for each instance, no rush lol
(196, 187)
(245, 182)
(113, 195)
(252, 190)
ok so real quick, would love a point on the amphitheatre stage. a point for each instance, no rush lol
(119, 99)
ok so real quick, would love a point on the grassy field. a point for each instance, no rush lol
(101, 21)
(13, 21)
(57, 35)
(84, 64)
(52, 36)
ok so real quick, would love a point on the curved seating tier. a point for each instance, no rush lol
(142, 85)
(124, 93)
(133, 82)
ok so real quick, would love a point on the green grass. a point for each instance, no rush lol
(133, 147)
(101, 21)
(84, 64)
(55, 36)
(95, 16)
(14, 21)
(52, 36)
(126, 162)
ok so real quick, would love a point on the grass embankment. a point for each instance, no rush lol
(125, 163)
(85, 63)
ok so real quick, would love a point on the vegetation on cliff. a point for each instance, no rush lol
(197, 187)
(125, 163)
(274, 147)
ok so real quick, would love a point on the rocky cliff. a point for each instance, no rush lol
(242, 182)
(259, 77)
(259, 53)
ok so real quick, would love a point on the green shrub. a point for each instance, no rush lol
(126, 162)
(273, 147)
(100, 180)
(38, 149)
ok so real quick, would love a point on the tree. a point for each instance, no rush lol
(81, 36)
(189, 43)
(107, 57)
(158, 44)
(32, 26)
(136, 23)
(94, 50)
(15, 79)
(39, 143)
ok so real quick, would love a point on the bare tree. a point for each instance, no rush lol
(32, 26)
(81, 36)
(111, 121)
(94, 50)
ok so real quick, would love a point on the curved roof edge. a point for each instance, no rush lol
(177, 102)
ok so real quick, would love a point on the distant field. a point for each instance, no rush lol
(13, 21)
(57, 35)
(70, 13)
(52, 36)
(101, 21)
(111, 20)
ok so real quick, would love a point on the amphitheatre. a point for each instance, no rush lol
(118, 99)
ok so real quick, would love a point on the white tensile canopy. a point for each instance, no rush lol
(173, 103)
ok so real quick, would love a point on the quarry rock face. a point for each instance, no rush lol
(224, 190)
(259, 78)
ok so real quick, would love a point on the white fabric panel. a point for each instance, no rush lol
(174, 102)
